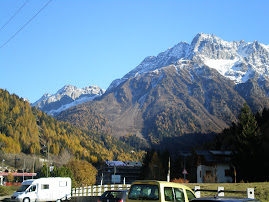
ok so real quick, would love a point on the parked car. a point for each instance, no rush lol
(114, 196)
(223, 199)
(159, 191)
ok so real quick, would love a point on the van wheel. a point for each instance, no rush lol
(59, 200)
(26, 200)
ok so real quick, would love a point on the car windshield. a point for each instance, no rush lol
(144, 192)
(23, 188)
(113, 194)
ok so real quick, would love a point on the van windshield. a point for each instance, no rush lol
(144, 191)
(23, 188)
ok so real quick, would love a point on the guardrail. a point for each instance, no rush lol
(220, 192)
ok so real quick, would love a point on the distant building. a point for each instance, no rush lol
(214, 166)
(118, 172)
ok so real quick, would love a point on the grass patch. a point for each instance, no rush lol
(7, 190)
(261, 189)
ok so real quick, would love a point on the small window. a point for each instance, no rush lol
(228, 173)
(190, 195)
(208, 172)
(44, 186)
(63, 184)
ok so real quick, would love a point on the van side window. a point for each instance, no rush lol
(174, 194)
(44, 186)
(168, 194)
(32, 188)
(179, 195)
(190, 195)
(63, 184)
(144, 192)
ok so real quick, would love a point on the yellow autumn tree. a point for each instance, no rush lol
(84, 172)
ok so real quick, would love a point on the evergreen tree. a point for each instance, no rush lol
(247, 142)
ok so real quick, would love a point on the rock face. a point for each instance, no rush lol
(190, 88)
(67, 97)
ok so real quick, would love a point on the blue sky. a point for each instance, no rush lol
(93, 42)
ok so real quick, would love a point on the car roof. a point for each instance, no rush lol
(162, 183)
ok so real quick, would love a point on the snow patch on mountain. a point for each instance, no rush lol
(67, 97)
(72, 104)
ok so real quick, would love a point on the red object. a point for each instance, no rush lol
(184, 171)
(12, 183)
(18, 174)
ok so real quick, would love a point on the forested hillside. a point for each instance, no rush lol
(27, 130)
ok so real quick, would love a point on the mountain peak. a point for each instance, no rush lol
(67, 97)
(229, 58)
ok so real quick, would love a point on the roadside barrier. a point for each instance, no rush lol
(98, 190)
(220, 192)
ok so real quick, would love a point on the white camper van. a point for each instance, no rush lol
(44, 189)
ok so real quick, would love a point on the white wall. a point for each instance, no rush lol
(221, 173)
(220, 169)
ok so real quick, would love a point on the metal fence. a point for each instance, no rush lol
(97, 190)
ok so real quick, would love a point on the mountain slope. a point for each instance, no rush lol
(190, 88)
(26, 129)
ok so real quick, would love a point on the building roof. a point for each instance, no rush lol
(122, 163)
(213, 156)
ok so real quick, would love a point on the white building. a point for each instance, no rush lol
(214, 166)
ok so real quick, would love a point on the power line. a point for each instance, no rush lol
(26, 23)
(13, 15)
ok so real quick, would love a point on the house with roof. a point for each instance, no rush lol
(118, 172)
(214, 166)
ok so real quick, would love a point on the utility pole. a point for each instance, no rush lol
(33, 165)
(184, 169)
(48, 159)
(168, 174)
(3, 164)
(23, 169)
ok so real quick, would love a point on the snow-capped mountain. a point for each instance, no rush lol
(67, 97)
(238, 60)
(196, 88)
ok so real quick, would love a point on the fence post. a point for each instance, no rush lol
(94, 190)
(85, 191)
(73, 192)
(250, 193)
(99, 190)
(105, 188)
(89, 191)
(197, 193)
(220, 191)
(77, 191)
